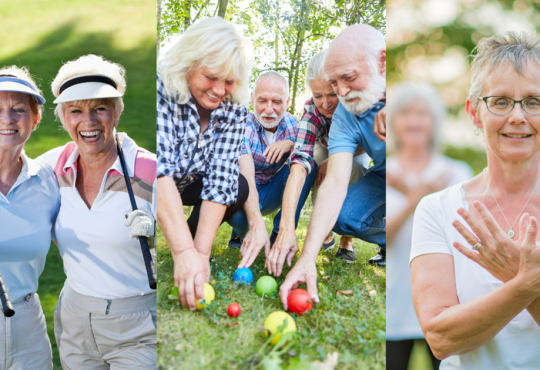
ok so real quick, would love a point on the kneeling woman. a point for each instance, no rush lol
(106, 314)
(202, 82)
(29, 201)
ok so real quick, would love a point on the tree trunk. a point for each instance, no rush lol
(187, 13)
(158, 37)
(222, 8)
(295, 62)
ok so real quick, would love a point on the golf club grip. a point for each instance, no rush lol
(148, 262)
(7, 307)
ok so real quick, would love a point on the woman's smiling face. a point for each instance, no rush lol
(17, 120)
(208, 89)
(515, 135)
(91, 124)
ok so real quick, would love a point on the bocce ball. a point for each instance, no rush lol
(266, 285)
(234, 310)
(299, 301)
(243, 276)
(274, 321)
(209, 296)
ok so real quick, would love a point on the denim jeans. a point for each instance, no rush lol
(270, 198)
(364, 211)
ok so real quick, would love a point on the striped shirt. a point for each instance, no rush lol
(100, 260)
(185, 154)
(256, 142)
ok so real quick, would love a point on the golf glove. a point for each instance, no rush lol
(141, 223)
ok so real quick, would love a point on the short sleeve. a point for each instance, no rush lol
(429, 234)
(342, 136)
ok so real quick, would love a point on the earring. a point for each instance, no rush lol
(477, 130)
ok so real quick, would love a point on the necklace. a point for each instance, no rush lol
(511, 231)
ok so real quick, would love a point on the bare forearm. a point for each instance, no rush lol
(291, 195)
(394, 223)
(210, 218)
(170, 216)
(330, 198)
(251, 206)
(534, 310)
(467, 326)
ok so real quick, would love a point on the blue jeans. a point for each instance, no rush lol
(270, 198)
(364, 210)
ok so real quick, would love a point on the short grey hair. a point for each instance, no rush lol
(405, 93)
(271, 75)
(492, 52)
(315, 69)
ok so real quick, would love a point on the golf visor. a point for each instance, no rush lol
(17, 85)
(87, 87)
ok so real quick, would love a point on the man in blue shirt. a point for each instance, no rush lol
(355, 65)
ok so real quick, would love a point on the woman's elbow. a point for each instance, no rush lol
(440, 347)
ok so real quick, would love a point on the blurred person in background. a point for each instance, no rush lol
(414, 170)
(476, 284)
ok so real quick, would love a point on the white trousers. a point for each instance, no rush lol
(24, 343)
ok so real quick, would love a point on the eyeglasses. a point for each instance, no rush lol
(503, 105)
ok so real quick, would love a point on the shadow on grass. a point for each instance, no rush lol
(66, 43)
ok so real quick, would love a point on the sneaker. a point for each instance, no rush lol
(235, 241)
(346, 255)
(273, 238)
(330, 245)
(379, 259)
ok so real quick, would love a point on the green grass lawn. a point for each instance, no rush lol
(42, 35)
(352, 326)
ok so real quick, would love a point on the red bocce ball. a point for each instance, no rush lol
(234, 310)
(299, 301)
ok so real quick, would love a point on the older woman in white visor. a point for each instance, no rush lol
(106, 314)
(476, 283)
(29, 201)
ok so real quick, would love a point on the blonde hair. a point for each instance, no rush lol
(492, 52)
(85, 65)
(24, 74)
(212, 43)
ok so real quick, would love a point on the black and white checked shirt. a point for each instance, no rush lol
(185, 155)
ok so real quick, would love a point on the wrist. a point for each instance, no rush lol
(525, 287)
(177, 253)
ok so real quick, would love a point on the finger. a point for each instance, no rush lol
(281, 261)
(468, 252)
(523, 223)
(190, 294)
(182, 293)
(266, 249)
(469, 236)
(199, 286)
(312, 288)
(252, 256)
(532, 230)
(275, 155)
(477, 229)
(489, 221)
(269, 154)
(268, 262)
(266, 151)
(280, 155)
(245, 259)
(284, 291)
(273, 261)
(290, 257)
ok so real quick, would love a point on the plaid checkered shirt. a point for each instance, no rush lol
(255, 143)
(314, 127)
(185, 154)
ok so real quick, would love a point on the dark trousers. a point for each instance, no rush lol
(191, 196)
(398, 353)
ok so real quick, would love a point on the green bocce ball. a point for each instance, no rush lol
(266, 285)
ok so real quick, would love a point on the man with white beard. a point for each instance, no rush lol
(268, 140)
(355, 65)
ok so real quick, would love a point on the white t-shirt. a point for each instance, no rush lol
(100, 260)
(270, 136)
(27, 214)
(517, 345)
(401, 321)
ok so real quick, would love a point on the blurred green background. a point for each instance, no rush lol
(431, 41)
(44, 34)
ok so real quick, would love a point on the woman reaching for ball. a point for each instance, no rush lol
(479, 308)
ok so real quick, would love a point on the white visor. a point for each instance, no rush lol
(87, 91)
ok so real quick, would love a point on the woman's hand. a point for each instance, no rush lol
(284, 249)
(304, 271)
(191, 271)
(275, 151)
(255, 240)
(499, 254)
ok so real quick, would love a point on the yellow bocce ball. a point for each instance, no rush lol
(274, 321)
(209, 296)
